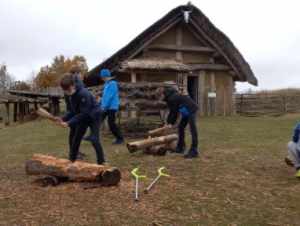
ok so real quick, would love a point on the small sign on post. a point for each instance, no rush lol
(211, 99)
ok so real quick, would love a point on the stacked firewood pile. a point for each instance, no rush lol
(136, 95)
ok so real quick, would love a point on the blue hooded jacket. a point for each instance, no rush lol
(81, 105)
(110, 97)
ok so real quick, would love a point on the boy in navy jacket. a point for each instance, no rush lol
(83, 111)
(187, 107)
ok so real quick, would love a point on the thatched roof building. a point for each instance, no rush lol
(185, 47)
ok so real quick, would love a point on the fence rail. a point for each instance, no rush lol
(267, 104)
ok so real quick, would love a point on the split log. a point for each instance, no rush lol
(142, 144)
(48, 165)
(155, 131)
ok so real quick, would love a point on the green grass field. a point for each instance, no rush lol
(240, 179)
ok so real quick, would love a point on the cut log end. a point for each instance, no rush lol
(111, 177)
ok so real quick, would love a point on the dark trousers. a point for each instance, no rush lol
(191, 120)
(111, 118)
(77, 132)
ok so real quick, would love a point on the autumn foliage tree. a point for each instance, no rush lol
(24, 86)
(49, 76)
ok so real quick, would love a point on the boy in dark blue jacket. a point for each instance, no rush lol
(187, 107)
(83, 111)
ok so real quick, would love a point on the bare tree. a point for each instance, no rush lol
(30, 80)
(6, 80)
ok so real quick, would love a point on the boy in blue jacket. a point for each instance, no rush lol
(83, 111)
(293, 148)
(110, 104)
(187, 107)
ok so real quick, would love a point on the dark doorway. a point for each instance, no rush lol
(192, 87)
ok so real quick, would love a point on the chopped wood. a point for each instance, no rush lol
(142, 144)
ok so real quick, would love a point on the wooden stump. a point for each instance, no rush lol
(63, 168)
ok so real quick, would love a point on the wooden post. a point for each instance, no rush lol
(26, 105)
(6, 114)
(201, 88)
(21, 112)
(133, 114)
(15, 112)
(185, 84)
(208, 106)
(242, 107)
(133, 77)
(284, 104)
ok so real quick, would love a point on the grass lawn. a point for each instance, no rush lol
(240, 179)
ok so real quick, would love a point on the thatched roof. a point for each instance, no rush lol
(154, 64)
(136, 95)
(198, 22)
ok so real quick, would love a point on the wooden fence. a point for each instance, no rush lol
(267, 104)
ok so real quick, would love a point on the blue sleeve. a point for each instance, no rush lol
(110, 92)
(295, 136)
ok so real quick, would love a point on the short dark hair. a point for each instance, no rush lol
(159, 91)
(75, 69)
(67, 80)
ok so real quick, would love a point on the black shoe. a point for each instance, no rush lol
(87, 138)
(193, 153)
(178, 150)
(80, 155)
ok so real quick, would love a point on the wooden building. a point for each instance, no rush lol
(186, 36)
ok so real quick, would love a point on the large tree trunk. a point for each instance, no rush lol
(63, 168)
(142, 144)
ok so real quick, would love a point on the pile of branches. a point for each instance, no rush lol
(137, 95)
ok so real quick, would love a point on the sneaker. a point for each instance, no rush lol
(193, 153)
(87, 138)
(119, 141)
(298, 174)
(178, 150)
(80, 155)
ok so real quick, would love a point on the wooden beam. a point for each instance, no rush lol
(217, 54)
(178, 54)
(194, 23)
(232, 73)
(183, 48)
(142, 71)
(159, 33)
(196, 34)
(219, 67)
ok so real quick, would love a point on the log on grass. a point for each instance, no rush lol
(48, 165)
(156, 150)
(142, 144)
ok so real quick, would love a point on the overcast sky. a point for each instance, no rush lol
(33, 32)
